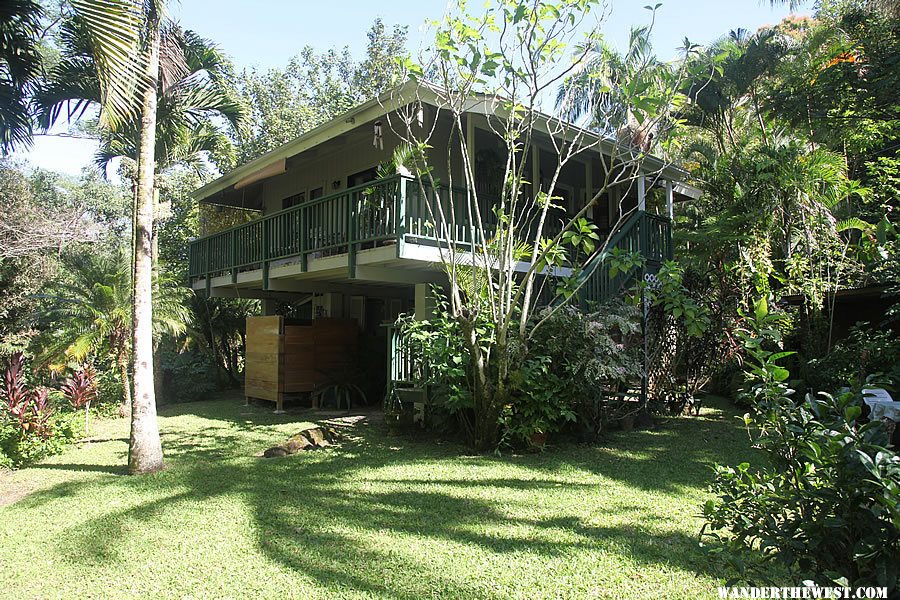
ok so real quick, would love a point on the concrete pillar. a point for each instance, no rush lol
(670, 200)
(470, 140)
(589, 180)
(424, 302)
(267, 307)
(642, 192)
(328, 305)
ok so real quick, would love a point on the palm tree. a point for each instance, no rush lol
(125, 40)
(218, 328)
(89, 314)
(193, 89)
(20, 67)
(724, 84)
(603, 89)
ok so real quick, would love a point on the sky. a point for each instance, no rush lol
(266, 33)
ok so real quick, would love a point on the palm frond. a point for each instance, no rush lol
(115, 28)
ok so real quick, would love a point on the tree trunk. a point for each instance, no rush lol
(125, 408)
(485, 425)
(158, 382)
(145, 449)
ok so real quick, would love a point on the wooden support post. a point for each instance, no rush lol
(642, 193)
(208, 277)
(351, 234)
(670, 200)
(402, 184)
(233, 256)
(670, 212)
(265, 254)
(470, 141)
(589, 182)
(303, 238)
(425, 305)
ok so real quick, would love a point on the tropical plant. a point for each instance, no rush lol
(15, 394)
(29, 429)
(89, 315)
(125, 41)
(80, 389)
(217, 327)
(603, 87)
(20, 68)
(194, 91)
(827, 505)
(726, 85)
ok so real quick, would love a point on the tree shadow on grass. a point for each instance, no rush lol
(110, 469)
(342, 518)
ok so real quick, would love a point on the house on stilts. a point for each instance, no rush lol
(351, 251)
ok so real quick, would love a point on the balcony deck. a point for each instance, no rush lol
(382, 231)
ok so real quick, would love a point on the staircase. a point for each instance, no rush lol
(642, 233)
(647, 235)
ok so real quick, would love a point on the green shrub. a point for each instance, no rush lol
(576, 363)
(866, 350)
(572, 363)
(827, 505)
(541, 404)
(188, 376)
(30, 428)
(18, 448)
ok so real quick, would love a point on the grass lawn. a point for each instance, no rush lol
(376, 517)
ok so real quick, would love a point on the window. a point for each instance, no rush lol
(362, 177)
(316, 193)
(293, 200)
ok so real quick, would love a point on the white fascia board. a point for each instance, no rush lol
(348, 121)
(490, 106)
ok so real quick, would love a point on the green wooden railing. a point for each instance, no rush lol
(643, 233)
(401, 210)
(335, 224)
(396, 208)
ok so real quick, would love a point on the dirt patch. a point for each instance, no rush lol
(11, 491)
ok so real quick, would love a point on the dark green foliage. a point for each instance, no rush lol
(187, 375)
(827, 503)
(865, 351)
(30, 429)
(20, 67)
(574, 364)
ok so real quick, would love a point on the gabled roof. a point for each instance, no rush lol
(273, 162)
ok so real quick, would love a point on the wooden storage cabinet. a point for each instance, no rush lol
(284, 357)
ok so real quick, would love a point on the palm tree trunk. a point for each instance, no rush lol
(125, 408)
(145, 449)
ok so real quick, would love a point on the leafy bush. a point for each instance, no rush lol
(576, 363)
(572, 363)
(80, 389)
(828, 503)
(188, 375)
(540, 405)
(439, 343)
(866, 350)
(29, 429)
